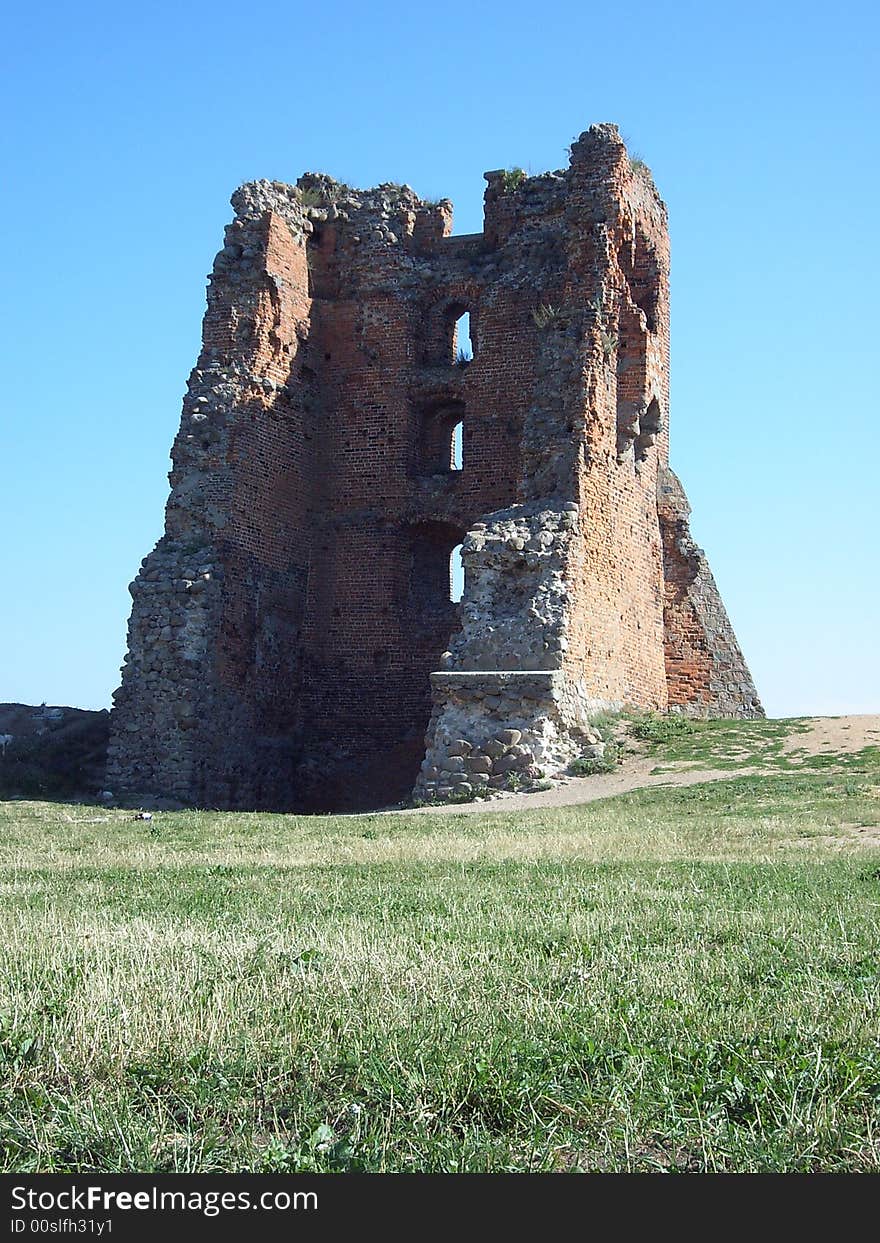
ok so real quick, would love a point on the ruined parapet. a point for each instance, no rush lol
(706, 672)
(288, 632)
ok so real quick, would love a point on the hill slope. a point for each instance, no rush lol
(701, 751)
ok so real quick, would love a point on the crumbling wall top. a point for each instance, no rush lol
(513, 200)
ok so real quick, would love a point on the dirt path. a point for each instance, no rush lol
(825, 735)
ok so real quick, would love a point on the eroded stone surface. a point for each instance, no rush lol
(706, 672)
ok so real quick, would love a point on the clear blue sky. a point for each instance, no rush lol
(127, 127)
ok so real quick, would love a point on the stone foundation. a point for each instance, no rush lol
(490, 723)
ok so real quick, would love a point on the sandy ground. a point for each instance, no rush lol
(828, 734)
(825, 735)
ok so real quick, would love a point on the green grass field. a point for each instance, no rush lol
(674, 979)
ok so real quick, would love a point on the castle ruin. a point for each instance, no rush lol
(293, 641)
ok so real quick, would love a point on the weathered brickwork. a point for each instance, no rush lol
(705, 670)
(292, 635)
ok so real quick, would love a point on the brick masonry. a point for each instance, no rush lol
(292, 634)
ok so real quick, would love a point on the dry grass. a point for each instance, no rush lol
(677, 979)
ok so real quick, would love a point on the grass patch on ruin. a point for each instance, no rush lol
(672, 979)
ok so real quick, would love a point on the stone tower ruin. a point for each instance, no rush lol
(293, 642)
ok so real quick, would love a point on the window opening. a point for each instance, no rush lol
(456, 574)
(462, 345)
(458, 445)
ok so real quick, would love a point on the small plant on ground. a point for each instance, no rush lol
(662, 729)
(592, 765)
(612, 752)
(463, 357)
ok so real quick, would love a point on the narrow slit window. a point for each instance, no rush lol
(458, 446)
(456, 574)
(462, 345)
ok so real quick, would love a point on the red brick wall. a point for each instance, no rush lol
(384, 520)
(619, 251)
(706, 672)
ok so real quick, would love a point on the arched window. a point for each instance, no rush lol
(441, 447)
(450, 335)
(435, 569)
